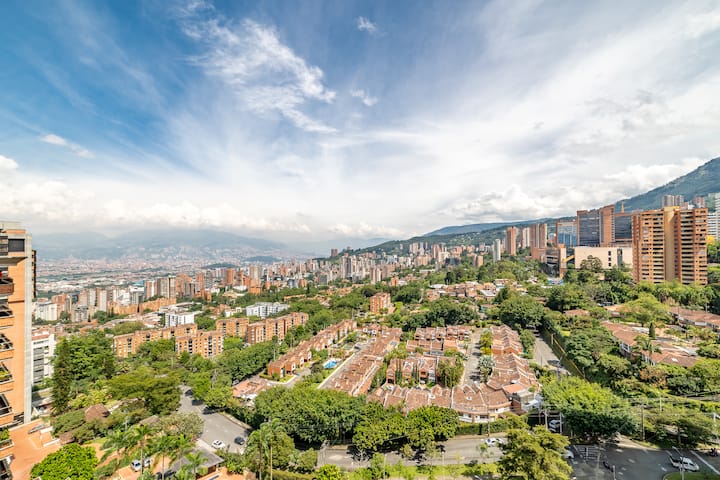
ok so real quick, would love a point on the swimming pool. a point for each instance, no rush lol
(330, 364)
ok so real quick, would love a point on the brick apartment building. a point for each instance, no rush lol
(17, 291)
(380, 302)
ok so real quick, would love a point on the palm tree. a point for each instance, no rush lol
(259, 446)
(117, 440)
(140, 435)
(184, 474)
(645, 346)
(163, 446)
(194, 459)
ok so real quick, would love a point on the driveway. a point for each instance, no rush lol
(543, 353)
(462, 449)
(217, 426)
(471, 365)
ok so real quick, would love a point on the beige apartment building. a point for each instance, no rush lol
(670, 243)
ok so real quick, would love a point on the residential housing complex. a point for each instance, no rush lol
(210, 343)
(297, 357)
(511, 387)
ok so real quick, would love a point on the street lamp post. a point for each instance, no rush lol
(682, 465)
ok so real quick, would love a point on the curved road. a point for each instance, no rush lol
(217, 426)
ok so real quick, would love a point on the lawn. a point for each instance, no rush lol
(692, 476)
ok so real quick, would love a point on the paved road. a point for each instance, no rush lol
(543, 352)
(633, 462)
(217, 426)
(463, 449)
(474, 354)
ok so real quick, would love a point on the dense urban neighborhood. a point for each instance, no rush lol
(437, 360)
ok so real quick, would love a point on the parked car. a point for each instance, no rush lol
(568, 454)
(490, 442)
(218, 444)
(684, 463)
(239, 440)
(147, 461)
(554, 425)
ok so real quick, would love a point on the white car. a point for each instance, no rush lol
(491, 442)
(218, 444)
(568, 454)
(684, 463)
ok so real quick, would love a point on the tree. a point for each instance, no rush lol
(645, 309)
(329, 472)
(645, 345)
(521, 311)
(188, 424)
(449, 373)
(589, 408)
(269, 447)
(159, 391)
(378, 467)
(80, 361)
(534, 455)
(195, 460)
(567, 297)
(592, 264)
(140, 435)
(71, 461)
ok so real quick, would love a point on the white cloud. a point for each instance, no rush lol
(78, 150)
(363, 24)
(704, 23)
(7, 164)
(263, 72)
(365, 230)
(364, 96)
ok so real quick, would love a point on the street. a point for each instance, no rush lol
(461, 449)
(217, 426)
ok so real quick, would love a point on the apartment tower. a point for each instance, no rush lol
(17, 290)
(670, 243)
(511, 235)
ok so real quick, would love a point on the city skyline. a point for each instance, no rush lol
(320, 121)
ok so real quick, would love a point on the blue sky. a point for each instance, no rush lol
(321, 119)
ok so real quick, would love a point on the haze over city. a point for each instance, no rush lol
(320, 120)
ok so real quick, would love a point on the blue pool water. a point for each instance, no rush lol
(330, 364)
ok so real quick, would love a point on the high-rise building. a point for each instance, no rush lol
(511, 234)
(595, 226)
(670, 243)
(566, 233)
(538, 235)
(714, 224)
(622, 228)
(672, 201)
(525, 237)
(497, 250)
(17, 292)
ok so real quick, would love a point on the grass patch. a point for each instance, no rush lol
(692, 476)
(430, 472)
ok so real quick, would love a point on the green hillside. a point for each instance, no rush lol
(700, 182)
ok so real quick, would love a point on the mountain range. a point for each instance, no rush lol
(218, 245)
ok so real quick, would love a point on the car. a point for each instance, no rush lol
(554, 425)
(491, 442)
(684, 463)
(218, 444)
(137, 466)
(239, 440)
(568, 454)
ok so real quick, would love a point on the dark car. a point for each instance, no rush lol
(239, 440)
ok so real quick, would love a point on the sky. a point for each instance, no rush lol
(325, 119)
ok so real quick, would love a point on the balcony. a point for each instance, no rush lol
(7, 350)
(7, 446)
(5, 473)
(6, 413)
(7, 287)
(7, 382)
